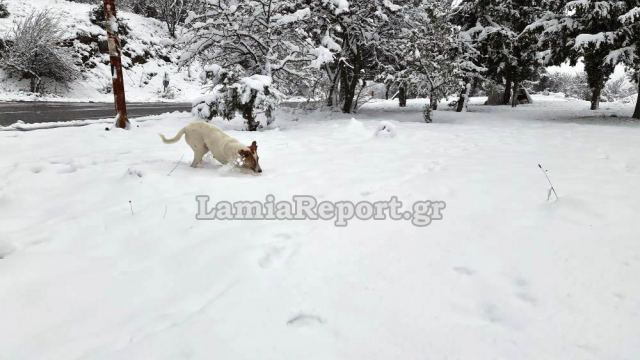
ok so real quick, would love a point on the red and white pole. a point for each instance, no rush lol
(122, 121)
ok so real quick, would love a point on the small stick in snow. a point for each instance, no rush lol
(165, 212)
(175, 167)
(552, 189)
(131, 207)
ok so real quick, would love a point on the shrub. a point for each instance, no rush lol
(35, 50)
(617, 89)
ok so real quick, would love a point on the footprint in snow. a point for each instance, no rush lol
(463, 270)
(134, 172)
(37, 169)
(275, 255)
(305, 320)
(523, 292)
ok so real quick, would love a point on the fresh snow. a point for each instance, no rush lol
(102, 258)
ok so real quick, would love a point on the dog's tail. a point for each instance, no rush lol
(174, 139)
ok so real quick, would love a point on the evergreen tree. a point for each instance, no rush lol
(508, 53)
(589, 29)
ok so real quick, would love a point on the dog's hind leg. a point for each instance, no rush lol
(198, 154)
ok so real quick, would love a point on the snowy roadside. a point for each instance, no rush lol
(94, 220)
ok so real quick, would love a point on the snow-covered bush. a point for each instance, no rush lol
(35, 52)
(572, 85)
(617, 89)
(4, 12)
(230, 93)
(386, 129)
(255, 46)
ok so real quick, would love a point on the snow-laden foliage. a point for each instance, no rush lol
(231, 93)
(439, 60)
(363, 36)
(497, 28)
(34, 52)
(255, 46)
(602, 33)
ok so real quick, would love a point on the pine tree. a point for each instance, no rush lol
(508, 53)
(588, 29)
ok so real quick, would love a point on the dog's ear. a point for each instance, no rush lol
(253, 147)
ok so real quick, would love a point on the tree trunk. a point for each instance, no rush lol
(433, 102)
(334, 83)
(355, 105)
(386, 92)
(595, 98)
(460, 106)
(350, 93)
(636, 113)
(507, 93)
(247, 112)
(514, 97)
(332, 89)
(402, 95)
(464, 98)
(34, 84)
(351, 84)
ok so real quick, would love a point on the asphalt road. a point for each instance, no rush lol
(39, 112)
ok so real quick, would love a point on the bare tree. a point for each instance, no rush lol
(34, 50)
(172, 12)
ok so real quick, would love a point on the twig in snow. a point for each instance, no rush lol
(552, 189)
(165, 212)
(131, 207)
(175, 167)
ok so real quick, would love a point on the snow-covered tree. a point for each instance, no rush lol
(430, 56)
(509, 54)
(250, 46)
(598, 32)
(349, 32)
(34, 50)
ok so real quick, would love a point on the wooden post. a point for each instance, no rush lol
(111, 24)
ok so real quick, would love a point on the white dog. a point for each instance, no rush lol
(203, 137)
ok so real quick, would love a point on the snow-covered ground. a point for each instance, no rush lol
(102, 257)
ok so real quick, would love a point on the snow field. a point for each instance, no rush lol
(505, 274)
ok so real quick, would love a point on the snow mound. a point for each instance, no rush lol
(386, 129)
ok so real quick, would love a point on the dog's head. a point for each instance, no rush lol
(248, 158)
